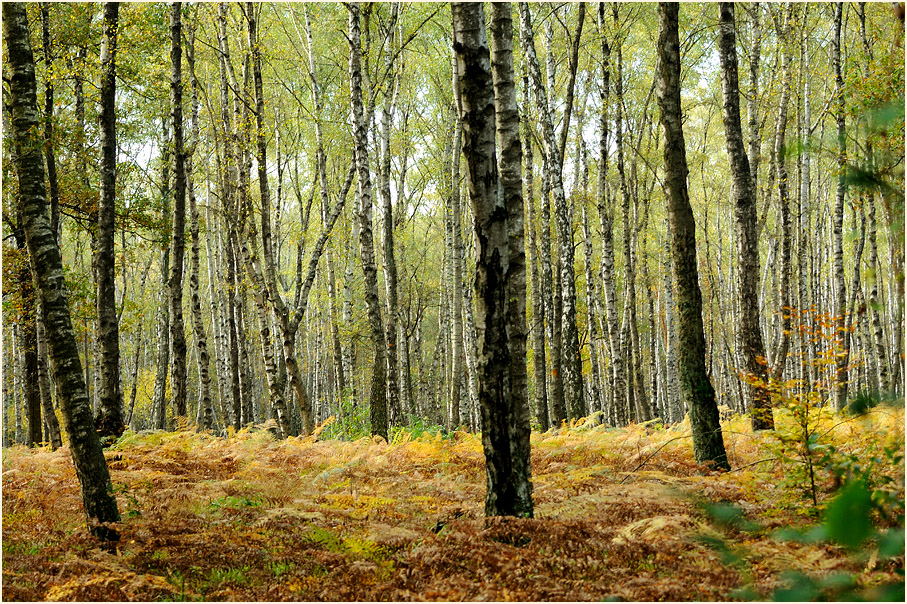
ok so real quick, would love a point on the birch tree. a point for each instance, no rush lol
(708, 444)
(109, 419)
(749, 334)
(573, 377)
(91, 467)
(489, 107)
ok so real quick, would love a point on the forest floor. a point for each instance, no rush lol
(621, 514)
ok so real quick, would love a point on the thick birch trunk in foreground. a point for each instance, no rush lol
(708, 444)
(500, 270)
(91, 467)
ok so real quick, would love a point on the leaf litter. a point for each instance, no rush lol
(618, 515)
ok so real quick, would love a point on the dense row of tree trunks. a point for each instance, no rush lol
(642, 362)
(44, 252)
(572, 362)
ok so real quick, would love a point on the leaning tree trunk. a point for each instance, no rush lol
(377, 395)
(573, 365)
(840, 286)
(500, 270)
(749, 335)
(708, 445)
(178, 237)
(109, 420)
(91, 467)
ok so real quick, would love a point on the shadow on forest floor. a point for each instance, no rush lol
(252, 518)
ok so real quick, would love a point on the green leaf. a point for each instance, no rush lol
(727, 515)
(799, 588)
(891, 543)
(847, 517)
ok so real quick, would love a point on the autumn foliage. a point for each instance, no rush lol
(620, 513)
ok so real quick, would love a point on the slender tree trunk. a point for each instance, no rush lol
(321, 159)
(596, 403)
(573, 377)
(637, 407)
(159, 398)
(708, 444)
(91, 468)
(840, 311)
(875, 305)
(51, 423)
(752, 113)
(749, 335)
(178, 236)
(206, 412)
(558, 411)
(387, 210)
(109, 420)
(606, 220)
(456, 265)
(378, 394)
(538, 306)
(500, 269)
(571, 78)
(780, 162)
(49, 142)
(803, 219)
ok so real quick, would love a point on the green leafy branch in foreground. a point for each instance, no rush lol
(847, 522)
